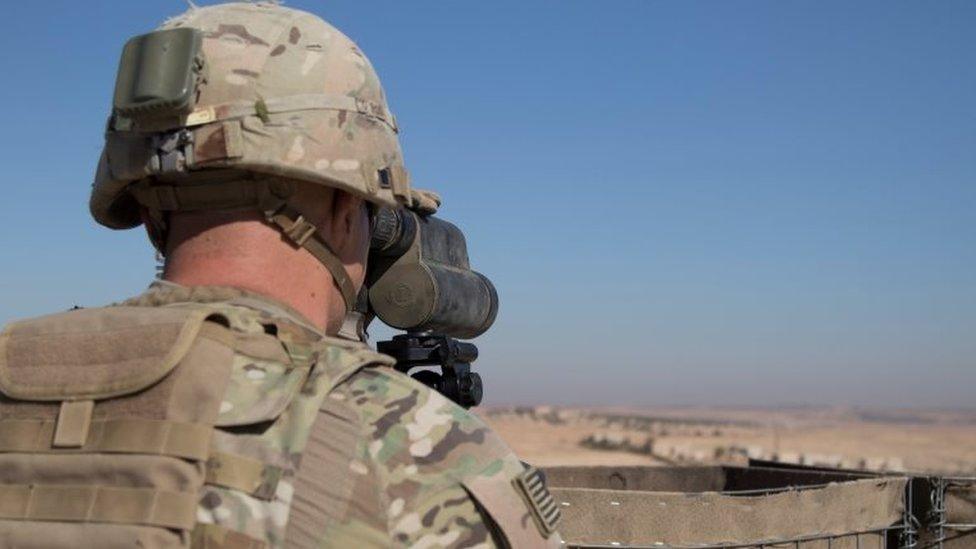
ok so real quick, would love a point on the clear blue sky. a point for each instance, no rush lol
(680, 202)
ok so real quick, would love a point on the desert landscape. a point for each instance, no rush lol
(921, 441)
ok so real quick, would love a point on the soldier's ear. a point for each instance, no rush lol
(349, 222)
(154, 229)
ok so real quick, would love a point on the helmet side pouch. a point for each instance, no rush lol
(106, 421)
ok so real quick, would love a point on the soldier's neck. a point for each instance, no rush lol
(250, 255)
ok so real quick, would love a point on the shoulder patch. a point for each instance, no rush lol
(531, 485)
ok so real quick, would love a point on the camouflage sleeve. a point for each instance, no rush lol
(421, 454)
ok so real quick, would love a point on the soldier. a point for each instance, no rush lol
(218, 409)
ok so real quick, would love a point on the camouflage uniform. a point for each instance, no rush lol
(388, 461)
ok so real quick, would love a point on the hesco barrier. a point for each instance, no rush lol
(761, 506)
(949, 515)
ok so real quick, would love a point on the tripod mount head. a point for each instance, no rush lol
(456, 381)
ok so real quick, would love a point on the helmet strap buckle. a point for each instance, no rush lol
(174, 152)
(300, 231)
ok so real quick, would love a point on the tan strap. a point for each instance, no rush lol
(304, 234)
(145, 506)
(128, 436)
(74, 421)
(232, 194)
(268, 195)
(291, 103)
(214, 536)
(95, 354)
(400, 181)
(245, 474)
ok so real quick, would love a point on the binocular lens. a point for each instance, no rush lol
(392, 232)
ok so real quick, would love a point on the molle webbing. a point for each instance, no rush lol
(205, 451)
(323, 486)
(129, 436)
(123, 505)
(108, 419)
(270, 196)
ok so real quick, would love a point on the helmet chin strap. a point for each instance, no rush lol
(270, 196)
(305, 235)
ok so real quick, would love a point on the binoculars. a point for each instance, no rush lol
(420, 281)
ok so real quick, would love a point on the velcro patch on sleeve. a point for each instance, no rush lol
(531, 485)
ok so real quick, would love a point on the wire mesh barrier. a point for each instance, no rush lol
(765, 507)
(949, 513)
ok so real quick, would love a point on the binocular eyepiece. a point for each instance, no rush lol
(420, 279)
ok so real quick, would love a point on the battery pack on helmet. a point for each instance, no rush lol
(158, 73)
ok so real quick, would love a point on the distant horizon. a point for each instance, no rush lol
(745, 407)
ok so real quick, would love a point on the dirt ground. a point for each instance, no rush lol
(895, 440)
(541, 443)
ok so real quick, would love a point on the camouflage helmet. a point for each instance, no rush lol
(274, 93)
